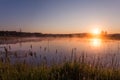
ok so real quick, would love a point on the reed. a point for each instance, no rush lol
(71, 68)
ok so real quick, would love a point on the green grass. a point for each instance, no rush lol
(65, 71)
(72, 69)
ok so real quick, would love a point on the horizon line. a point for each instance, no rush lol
(54, 33)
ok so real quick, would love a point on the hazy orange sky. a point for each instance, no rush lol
(60, 16)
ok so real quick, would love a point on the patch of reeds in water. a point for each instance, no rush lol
(72, 68)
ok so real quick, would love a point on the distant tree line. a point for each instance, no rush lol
(28, 34)
(18, 34)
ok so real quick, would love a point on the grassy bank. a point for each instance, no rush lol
(65, 71)
(71, 68)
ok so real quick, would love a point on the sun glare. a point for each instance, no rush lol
(96, 31)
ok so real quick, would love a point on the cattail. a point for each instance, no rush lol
(24, 62)
(40, 56)
(40, 47)
(25, 54)
(56, 51)
(83, 57)
(45, 49)
(31, 54)
(2, 60)
(45, 60)
(6, 51)
(16, 54)
(35, 54)
(9, 47)
(31, 46)
(72, 55)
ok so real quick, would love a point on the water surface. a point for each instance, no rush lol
(59, 49)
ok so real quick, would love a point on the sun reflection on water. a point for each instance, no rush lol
(96, 42)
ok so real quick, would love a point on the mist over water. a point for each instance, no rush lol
(58, 49)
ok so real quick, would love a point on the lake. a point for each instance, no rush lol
(58, 50)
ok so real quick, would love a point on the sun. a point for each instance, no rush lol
(96, 31)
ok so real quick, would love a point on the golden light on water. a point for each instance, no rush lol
(95, 42)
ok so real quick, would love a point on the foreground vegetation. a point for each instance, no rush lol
(69, 69)
(65, 71)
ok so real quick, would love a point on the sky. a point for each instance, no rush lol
(60, 16)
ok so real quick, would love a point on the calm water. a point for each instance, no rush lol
(59, 49)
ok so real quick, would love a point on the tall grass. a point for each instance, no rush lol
(73, 68)
(65, 71)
